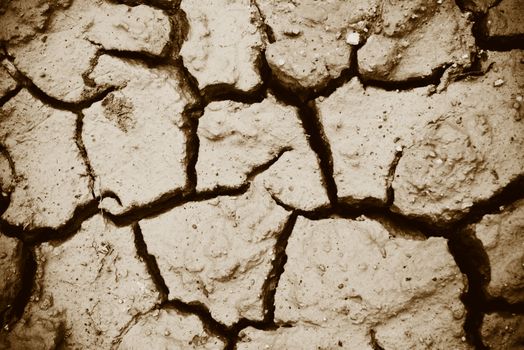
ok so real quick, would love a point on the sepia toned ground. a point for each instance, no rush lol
(261, 174)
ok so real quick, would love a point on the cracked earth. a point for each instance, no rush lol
(236, 174)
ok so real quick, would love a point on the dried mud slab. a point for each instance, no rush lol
(49, 179)
(169, 329)
(236, 139)
(119, 27)
(411, 40)
(58, 60)
(454, 149)
(19, 20)
(135, 136)
(367, 130)
(224, 44)
(501, 235)
(313, 41)
(218, 252)
(88, 289)
(505, 20)
(472, 152)
(11, 269)
(348, 278)
(302, 337)
(500, 331)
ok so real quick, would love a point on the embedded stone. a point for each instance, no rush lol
(218, 252)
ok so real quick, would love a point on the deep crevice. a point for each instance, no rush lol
(494, 43)
(269, 288)
(202, 312)
(166, 5)
(10, 316)
(513, 192)
(373, 342)
(44, 234)
(320, 145)
(10, 95)
(192, 149)
(65, 106)
(151, 263)
(473, 261)
(266, 28)
(411, 83)
(225, 92)
(177, 198)
(27, 83)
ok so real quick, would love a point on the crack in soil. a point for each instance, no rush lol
(28, 273)
(390, 192)
(466, 249)
(83, 152)
(151, 263)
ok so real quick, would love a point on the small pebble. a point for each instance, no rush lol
(498, 82)
(353, 38)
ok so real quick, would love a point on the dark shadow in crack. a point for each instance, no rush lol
(472, 260)
(390, 85)
(495, 204)
(225, 92)
(192, 147)
(502, 305)
(151, 263)
(202, 312)
(373, 342)
(9, 95)
(177, 198)
(320, 145)
(15, 312)
(269, 288)
(55, 235)
(166, 5)
(39, 94)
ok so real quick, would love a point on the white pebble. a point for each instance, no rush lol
(353, 38)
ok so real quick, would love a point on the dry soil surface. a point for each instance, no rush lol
(261, 174)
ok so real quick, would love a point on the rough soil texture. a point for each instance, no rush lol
(258, 174)
(503, 331)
